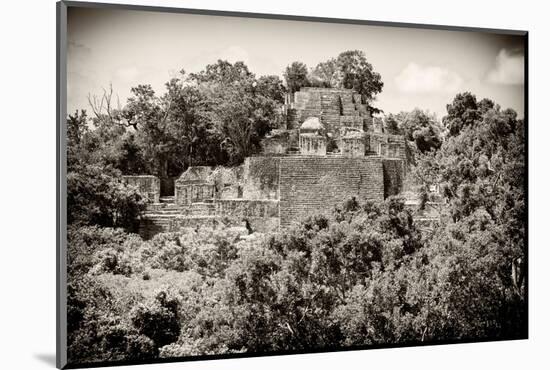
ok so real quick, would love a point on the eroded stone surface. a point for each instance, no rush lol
(328, 151)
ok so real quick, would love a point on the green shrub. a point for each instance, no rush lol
(96, 196)
(84, 242)
(158, 319)
(118, 261)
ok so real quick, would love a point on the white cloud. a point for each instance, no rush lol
(508, 69)
(235, 54)
(427, 79)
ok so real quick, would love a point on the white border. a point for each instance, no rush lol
(28, 182)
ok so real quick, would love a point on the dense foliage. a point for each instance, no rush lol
(360, 274)
(363, 274)
(95, 193)
(296, 76)
(349, 70)
(417, 126)
(215, 116)
(480, 169)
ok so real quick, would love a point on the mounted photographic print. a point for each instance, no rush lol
(235, 184)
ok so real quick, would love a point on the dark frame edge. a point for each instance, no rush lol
(61, 185)
(526, 176)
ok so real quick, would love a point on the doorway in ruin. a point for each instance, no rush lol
(167, 186)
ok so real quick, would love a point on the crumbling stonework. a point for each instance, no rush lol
(352, 144)
(148, 186)
(261, 178)
(278, 142)
(327, 152)
(389, 146)
(313, 144)
(336, 108)
(228, 182)
(247, 208)
(195, 185)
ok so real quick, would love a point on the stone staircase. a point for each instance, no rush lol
(166, 207)
(158, 217)
(168, 199)
(164, 216)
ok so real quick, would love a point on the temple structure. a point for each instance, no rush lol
(328, 150)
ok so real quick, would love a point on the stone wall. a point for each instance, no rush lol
(336, 108)
(354, 122)
(192, 193)
(261, 215)
(244, 208)
(386, 145)
(228, 182)
(311, 185)
(152, 225)
(394, 176)
(277, 142)
(261, 178)
(312, 144)
(352, 146)
(148, 186)
(281, 190)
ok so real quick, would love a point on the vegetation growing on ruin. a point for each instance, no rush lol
(349, 70)
(361, 274)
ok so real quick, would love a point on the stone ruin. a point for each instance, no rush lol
(328, 150)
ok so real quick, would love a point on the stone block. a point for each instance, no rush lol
(148, 186)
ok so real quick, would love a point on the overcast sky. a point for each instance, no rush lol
(419, 68)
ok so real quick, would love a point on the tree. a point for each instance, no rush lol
(216, 116)
(474, 259)
(241, 108)
(481, 169)
(158, 319)
(96, 197)
(462, 112)
(95, 332)
(194, 138)
(95, 192)
(76, 130)
(234, 113)
(326, 74)
(357, 73)
(392, 124)
(288, 289)
(271, 87)
(148, 114)
(103, 139)
(104, 109)
(349, 70)
(422, 128)
(224, 73)
(296, 76)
